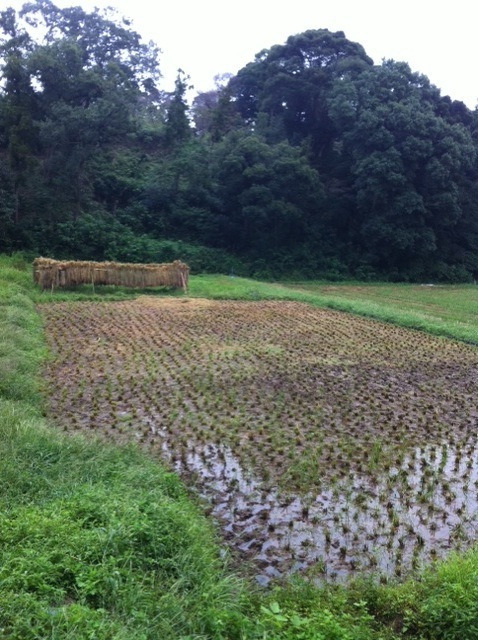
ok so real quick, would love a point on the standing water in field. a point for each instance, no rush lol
(321, 441)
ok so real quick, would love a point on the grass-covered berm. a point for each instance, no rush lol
(100, 541)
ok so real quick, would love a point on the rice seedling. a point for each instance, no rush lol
(345, 430)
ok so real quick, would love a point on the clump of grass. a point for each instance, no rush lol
(443, 603)
(105, 535)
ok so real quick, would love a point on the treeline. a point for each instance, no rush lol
(310, 162)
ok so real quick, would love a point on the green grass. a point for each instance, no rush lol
(95, 541)
(100, 542)
(454, 303)
(441, 604)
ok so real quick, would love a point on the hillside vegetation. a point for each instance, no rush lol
(312, 161)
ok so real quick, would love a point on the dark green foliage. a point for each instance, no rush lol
(66, 97)
(407, 167)
(177, 129)
(104, 238)
(284, 90)
(396, 159)
(310, 161)
(270, 195)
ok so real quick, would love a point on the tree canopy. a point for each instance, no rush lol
(311, 160)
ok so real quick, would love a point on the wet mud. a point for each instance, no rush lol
(322, 442)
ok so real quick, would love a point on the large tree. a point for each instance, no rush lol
(74, 83)
(406, 162)
(271, 199)
(18, 112)
(284, 91)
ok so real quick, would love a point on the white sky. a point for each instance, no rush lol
(208, 37)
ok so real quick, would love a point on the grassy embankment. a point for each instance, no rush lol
(100, 542)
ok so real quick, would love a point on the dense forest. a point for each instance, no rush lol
(312, 161)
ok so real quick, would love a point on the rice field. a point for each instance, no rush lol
(447, 303)
(319, 441)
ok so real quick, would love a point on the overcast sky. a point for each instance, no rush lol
(209, 37)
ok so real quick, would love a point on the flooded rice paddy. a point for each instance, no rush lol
(319, 441)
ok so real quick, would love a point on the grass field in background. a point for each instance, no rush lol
(454, 303)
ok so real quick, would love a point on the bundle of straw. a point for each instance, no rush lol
(50, 274)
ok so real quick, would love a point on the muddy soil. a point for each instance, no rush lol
(322, 442)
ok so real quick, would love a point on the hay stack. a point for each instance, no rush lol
(50, 274)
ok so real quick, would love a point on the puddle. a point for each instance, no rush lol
(379, 528)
